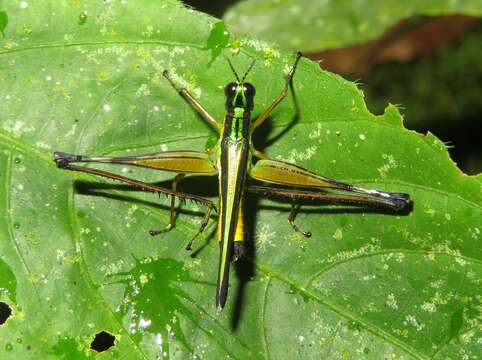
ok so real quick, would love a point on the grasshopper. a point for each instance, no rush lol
(237, 164)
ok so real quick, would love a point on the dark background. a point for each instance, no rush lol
(430, 66)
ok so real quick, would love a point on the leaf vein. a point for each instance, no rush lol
(388, 251)
(84, 269)
(377, 331)
(98, 43)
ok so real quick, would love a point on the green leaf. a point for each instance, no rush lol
(3, 22)
(75, 253)
(310, 26)
(218, 40)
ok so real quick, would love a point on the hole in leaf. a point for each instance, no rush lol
(102, 341)
(5, 312)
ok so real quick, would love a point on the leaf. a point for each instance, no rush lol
(79, 257)
(310, 26)
(3, 22)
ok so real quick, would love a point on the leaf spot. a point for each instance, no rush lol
(5, 312)
(102, 341)
(82, 18)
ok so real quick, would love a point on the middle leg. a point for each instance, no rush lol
(172, 211)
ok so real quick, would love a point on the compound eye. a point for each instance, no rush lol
(249, 90)
(230, 89)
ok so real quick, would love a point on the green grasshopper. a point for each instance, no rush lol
(232, 161)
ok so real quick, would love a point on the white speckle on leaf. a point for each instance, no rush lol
(23, 5)
(429, 307)
(17, 128)
(437, 284)
(362, 136)
(264, 237)
(445, 248)
(178, 50)
(412, 320)
(149, 31)
(296, 155)
(9, 44)
(344, 255)
(144, 279)
(338, 235)
(143, 90)
(42, 145)
(368, 277)
(106, 107)
(84, 230)
(391, 164)
(159, 340)
(399, 257)
(315, 133)
(143, 323)
(60, 255)
(460, 261)
(429, 211)
(132, 327)
(391, 302)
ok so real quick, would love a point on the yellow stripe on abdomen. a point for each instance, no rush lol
(239, 234)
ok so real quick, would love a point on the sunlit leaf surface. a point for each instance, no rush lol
(75, 255)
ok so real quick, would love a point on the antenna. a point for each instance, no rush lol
(247, 71)
(232, 69)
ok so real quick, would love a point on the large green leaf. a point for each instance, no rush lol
(311, 25)
(76, 258)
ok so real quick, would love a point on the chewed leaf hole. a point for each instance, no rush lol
(5, 312)
(102, 341)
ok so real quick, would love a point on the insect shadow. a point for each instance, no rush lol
(244, 268)
(205, 186)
